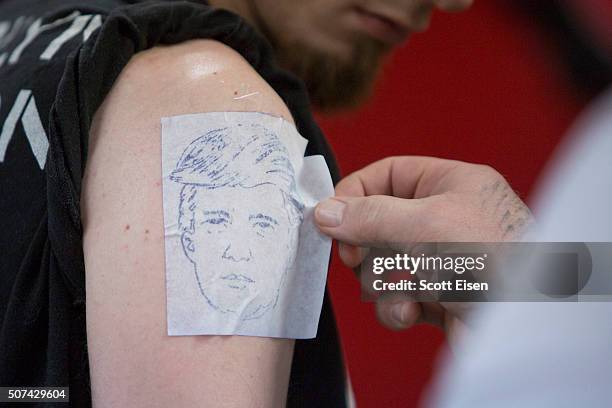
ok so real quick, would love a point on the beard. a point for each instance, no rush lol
(334, 83)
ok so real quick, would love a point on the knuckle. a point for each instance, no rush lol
(349, 185)
(367, 213)
(388, 159)
(370, 212)
(487, 171)
(432, 220)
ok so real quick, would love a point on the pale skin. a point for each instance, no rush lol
(133, 362)
(400, 202)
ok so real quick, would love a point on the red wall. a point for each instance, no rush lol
(484, 86)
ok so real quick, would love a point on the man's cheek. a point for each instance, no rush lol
(208, 246)
(279, 240)
(264, 249)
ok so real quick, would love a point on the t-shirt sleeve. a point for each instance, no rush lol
(89, 74)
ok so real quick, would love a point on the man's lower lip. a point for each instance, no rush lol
(380, 29)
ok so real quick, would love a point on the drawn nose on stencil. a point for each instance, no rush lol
(237, 252)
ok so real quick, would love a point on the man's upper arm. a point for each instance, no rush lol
(132, 360)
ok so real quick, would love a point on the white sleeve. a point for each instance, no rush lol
(548, 354)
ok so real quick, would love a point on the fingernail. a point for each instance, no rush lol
(329, 213)
(399, 313)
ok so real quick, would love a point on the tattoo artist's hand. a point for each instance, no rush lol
(400, 202)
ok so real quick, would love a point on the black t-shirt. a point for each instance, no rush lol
(58, 60)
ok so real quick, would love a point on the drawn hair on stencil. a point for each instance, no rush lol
(237, 157)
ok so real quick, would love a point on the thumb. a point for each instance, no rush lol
(375, 221)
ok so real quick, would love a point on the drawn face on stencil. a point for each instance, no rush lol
(239, 229)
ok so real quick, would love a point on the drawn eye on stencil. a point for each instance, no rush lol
(215, 221)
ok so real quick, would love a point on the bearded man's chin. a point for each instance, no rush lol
(333, 83)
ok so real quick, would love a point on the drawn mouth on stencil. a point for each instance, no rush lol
(237, 278)
(237, 281)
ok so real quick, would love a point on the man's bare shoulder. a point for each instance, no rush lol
(123, 240)
(192, 77)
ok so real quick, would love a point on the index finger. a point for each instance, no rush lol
(399, 176)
